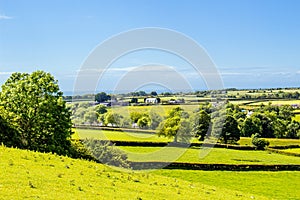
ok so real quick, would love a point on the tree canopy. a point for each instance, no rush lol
(34, 107)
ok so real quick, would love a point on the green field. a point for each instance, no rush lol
(275, 185)
(117, 135)
(273, 141)
(32, 175)
(162, 110)
(295, 150)
(276, 102)
(211, 155)
(297, 118)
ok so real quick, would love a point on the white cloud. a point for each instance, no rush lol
(6, 73)
(5, 17)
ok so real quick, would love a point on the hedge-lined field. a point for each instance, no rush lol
(276, 102)
(32, 175)
(162, 110)
(273, 141)
(212, 155)
(275, 185)
(117, 135)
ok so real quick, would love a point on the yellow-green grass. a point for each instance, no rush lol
(117, 135)
(276, 102)
(294, 150)
(273, 141)
(211, 155)
(240, 102)
(32, 175)
(162, 110)
(275, 185)
(297, 117)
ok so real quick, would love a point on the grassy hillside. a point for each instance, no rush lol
(31, 175)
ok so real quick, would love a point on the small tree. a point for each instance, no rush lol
(113, 118)
(259, 143)
(101, 109)
(155, 120)
(144, 122)
(153, 93)
(102, 97)
(106, 153)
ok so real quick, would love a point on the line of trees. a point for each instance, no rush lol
(226, 122)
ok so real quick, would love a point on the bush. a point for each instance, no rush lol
(105, 152)
(259, 143)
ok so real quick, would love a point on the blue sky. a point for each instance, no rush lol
(254, 43)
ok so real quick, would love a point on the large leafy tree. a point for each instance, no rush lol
(201, 123)
(230, 132)
(33, 105)
(176, 125)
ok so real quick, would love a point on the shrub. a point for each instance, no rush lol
(105, 152)
(259, 143)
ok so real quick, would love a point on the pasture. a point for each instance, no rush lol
(273, 141)
(274, 185)
(117, 135)
(295, 150)
(32, 175)
(207, 156)
(161, 110)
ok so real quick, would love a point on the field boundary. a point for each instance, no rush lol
(211, 167)
(173, 144)
(106, 128)
(283, 152)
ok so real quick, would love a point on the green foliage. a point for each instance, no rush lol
(259, 143)
(153, 93)
(144, 122)
(135, 116)
(200, 124)
(293, 129)
(34, 107)
(101, 109)
(230, 132)
(8, 135)
(106, 153)
(250, 126)
(155, 120)
(112, 118)
(175, 125)
(90, 117)
(102, 97)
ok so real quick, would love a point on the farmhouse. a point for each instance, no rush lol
(152, 100)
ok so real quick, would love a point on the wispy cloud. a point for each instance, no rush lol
(5, 73)
(5, 17)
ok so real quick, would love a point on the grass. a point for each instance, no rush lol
(117, 135)
(212, 155)
(295, 150)
(297, 118)
(277, 102)
(32, 175)
(275, 185)
(162, 110)
(273, 141)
